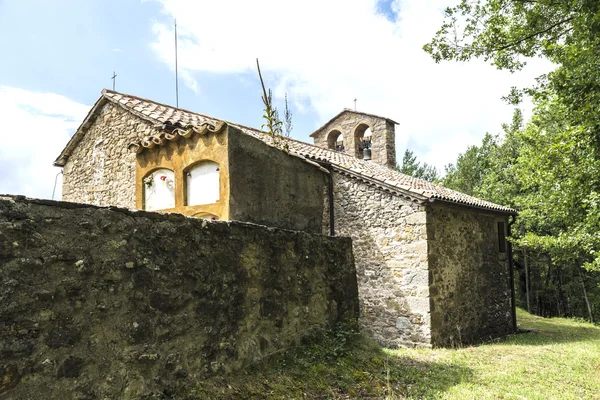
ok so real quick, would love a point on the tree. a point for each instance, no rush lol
(410, 166)
(467, 174)
(507, 32)
(543, 169)
(548, 169)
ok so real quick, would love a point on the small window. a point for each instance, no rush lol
(202, 183)
(159, 190)
(501, 238)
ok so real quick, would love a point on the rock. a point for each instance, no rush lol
(70, 368)
(403, 323)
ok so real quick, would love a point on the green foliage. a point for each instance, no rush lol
(273, 124)
(410, 166)
(548, 169)
(559, 360)
(287, 119)
(507, 32)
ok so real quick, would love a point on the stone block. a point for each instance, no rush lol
(403, 324)
(417, 218)
(417, 247)
(418, 305)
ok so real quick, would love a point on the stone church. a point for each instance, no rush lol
(433, 264)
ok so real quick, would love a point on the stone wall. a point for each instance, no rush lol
(101, 170)
(390, 249)
(470, 290)
(99, 303)
(273, 188)
(383, 139)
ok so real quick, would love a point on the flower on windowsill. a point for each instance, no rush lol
(163, 177)
(149, 180)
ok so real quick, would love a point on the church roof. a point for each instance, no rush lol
(382, 176)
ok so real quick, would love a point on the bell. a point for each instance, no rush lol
(366, 154)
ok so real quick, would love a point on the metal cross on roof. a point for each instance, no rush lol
(113, 79)
(354, 104)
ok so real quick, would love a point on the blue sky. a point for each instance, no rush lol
(58, 55)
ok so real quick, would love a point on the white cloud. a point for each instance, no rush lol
(35, 128)
(326, 53)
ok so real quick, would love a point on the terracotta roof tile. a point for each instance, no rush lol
(161, 113)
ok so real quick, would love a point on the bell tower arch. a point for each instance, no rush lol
(364, 136)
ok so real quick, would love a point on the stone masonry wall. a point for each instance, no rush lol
(101, 170)
(273, 188)
(390, 250)
(108, 303)
(470, 290)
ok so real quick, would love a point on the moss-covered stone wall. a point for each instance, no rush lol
(273, 188)
(469, 276)
(99, 303)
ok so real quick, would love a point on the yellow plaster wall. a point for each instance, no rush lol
(178, 156)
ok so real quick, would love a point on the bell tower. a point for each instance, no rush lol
(364, 136)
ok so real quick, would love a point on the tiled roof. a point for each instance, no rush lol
(383, 176)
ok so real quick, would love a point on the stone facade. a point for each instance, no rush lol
(389, 239)
(100, 303)
(352, 126)
(101, 170)
(470, 281)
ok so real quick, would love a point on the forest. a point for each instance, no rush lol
(546, 167)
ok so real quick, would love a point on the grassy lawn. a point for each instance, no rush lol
(560, 361)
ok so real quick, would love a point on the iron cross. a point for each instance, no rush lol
(113, 79)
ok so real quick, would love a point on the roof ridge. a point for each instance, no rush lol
(177, 108)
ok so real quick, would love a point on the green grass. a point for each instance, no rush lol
(560, 361)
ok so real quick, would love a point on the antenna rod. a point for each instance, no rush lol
(176, 78)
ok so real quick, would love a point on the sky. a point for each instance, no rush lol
(58, 55)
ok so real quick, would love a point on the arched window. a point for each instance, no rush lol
(362, 139)
(159, 190)
(202, 183)
(335, 140)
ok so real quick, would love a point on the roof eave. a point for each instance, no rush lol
(61, 160)
(502, 210)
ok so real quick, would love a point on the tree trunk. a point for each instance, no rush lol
(562, 301)
(585, 296)
(526, 279)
